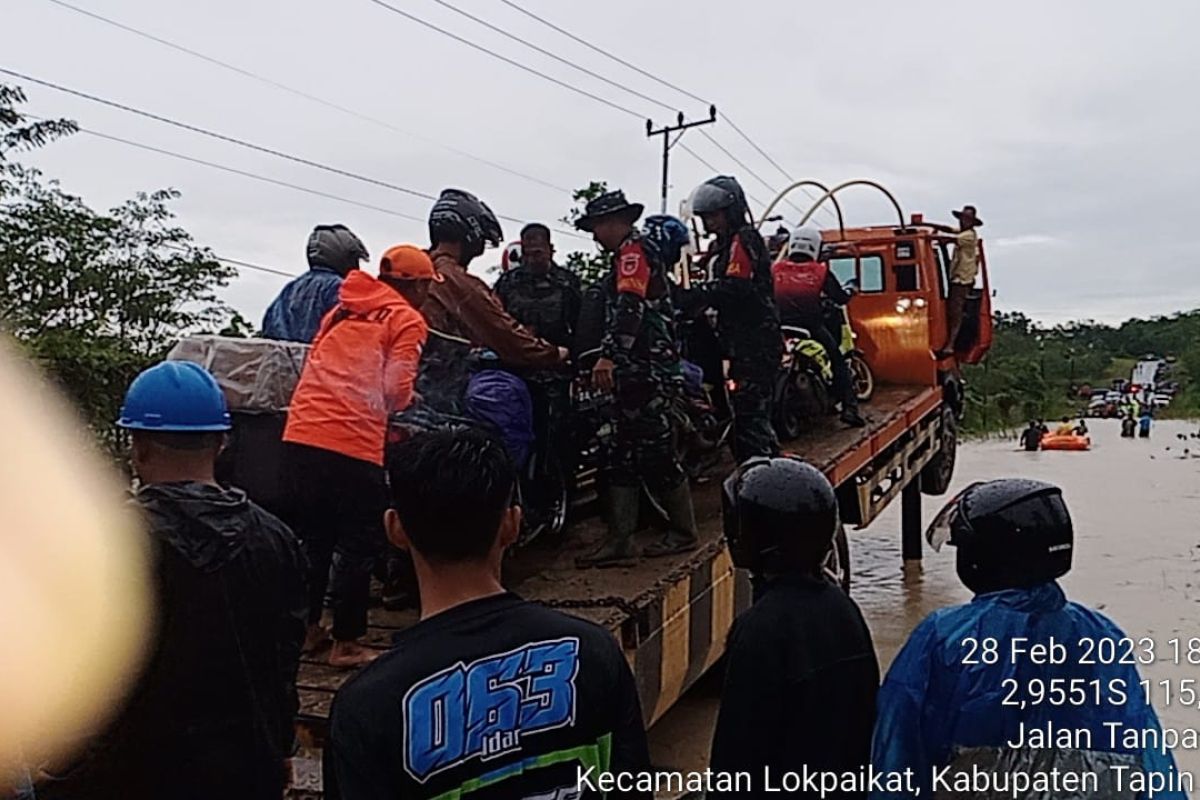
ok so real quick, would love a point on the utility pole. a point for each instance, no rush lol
(679, 127)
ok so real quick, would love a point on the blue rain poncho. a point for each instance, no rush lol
(936, 711)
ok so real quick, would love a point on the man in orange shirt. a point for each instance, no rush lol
(362, 368)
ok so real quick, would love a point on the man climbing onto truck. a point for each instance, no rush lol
(964, 267)
(361, 368)
(296, 313)
(488, 693)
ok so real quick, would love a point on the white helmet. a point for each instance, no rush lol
(805, 241)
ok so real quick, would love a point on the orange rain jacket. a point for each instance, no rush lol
(361, 368)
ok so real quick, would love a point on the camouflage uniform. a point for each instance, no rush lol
(748, 325)
(639, 338)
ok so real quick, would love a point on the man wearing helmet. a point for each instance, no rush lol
(462, 311)
(961, 695)
(748, 322)
(801, 674)
(296, 313)
(802, 283)
(640, 365)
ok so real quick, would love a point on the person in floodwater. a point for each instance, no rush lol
(1129, 426)
(965, 692)
(1031, 437)
(296, 313)
(1065, 428)
(801, 675)
(1144, 423)
(212, 713)
(1081, 429)
(488, 695)
(361, 368)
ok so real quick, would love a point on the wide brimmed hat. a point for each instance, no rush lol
(959, 214)
(608, 205)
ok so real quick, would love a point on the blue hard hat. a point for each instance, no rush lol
(175, 396)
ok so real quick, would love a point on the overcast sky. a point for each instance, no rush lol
(1070, 124)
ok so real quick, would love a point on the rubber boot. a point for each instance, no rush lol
(617, 549)
(851, 417)
(681, 517)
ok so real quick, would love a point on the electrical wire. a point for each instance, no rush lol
(513, 37)
(257, 267)
(243, 143)
(303, 94)
(663, 82)
(247, 174)
(743, 165)
(509, 61)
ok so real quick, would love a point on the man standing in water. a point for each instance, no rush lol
(962, 695)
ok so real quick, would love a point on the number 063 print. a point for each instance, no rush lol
(483, 709)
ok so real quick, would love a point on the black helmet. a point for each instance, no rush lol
(460, 216)
(1009, 533)
(722, 193)
(780, 514)
(335, 247)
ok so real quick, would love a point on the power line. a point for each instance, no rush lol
(257, 267)
(509, 61)
(512, 36)
(663, 82)
(604, 52)
(247, 174)
(303, 94)
(705, 163)
(241, 142)
(743, 165)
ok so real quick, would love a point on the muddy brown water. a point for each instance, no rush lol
(1136, 508)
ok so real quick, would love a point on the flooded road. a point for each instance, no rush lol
(1136, 508)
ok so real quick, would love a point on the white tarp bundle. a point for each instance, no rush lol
(256, 374)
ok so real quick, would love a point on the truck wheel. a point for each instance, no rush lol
(837, 564)
(861, 376)
(937, 474)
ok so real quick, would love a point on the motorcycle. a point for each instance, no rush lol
(804, 385)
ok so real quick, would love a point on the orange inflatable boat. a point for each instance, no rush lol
(1070, 441)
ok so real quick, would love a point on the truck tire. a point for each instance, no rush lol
(937, 474)
(837, 563)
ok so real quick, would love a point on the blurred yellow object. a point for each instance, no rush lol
(74, 597)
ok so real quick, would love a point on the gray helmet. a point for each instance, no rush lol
(721, 193)
(335, 247)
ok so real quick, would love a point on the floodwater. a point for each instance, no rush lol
(1136, 508)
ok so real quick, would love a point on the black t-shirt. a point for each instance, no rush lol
(495, 698)
(800, 685)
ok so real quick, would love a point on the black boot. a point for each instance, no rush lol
(617, 549)
(681, 517)
(851, 417)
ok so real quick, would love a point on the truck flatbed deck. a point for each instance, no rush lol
(672, 614)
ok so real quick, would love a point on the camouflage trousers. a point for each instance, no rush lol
(751, 401)
(644, 447)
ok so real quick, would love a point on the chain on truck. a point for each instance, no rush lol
(671, 616)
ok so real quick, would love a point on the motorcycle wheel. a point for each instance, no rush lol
(861, 376)
(788, 420)
(837, 564)
(546, 499)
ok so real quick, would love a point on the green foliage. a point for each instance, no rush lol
(95, 297)
(1034, 371)
(590, 267)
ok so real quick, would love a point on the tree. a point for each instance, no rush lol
(95, 297)
(590, 267)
